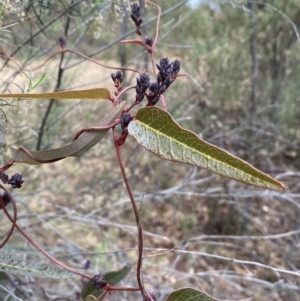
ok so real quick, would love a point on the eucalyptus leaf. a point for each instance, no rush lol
(189, 294)
(11, 264)
(75, 149)
(156, 130)
(98, 93)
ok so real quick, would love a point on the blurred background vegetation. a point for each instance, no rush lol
(241, 92)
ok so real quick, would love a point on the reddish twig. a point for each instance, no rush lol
(35, 158)
(62, 265)
(136, 213)
(95, 128)
(2, 206)
(157, 23)
(7, 165)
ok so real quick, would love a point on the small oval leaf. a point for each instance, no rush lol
(75, 149)
(156, 130)
(189, 294)
(115, 277)
(12, 264)
(99, 93)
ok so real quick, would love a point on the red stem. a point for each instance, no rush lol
(5, 240)
(122, 92)
(136, 213)
(7, 165)
(39, 247)
(35, 158)
(95, 128)
(157, 23)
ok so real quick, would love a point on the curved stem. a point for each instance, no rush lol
(62, 265)
(63, 51)
(136, 213)
(121, 93)
(35, 158)
(7, 165)
(157, 23)
(2, 206)
(95, 128)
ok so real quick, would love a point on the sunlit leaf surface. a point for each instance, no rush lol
(156, 130)
(99, 93)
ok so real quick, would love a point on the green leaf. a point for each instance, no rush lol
(39, 82)
(75, 149)
(156, 130)
(12, 264)
(189, 294)
(115, 277)
(100, 93)
(112, 278)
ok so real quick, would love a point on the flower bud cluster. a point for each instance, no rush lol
(15, 181)
(149, 41)
(142, 84)
(136, 16)
(165, 77)
(125, 119)
(118, 76)
(99, 282)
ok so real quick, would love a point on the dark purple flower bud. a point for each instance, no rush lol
(159, 78)
(87, 265)
(159, 68)
(154, 101)
(149, 41)
(168, 80)
(99, 282)
(164, 62)
(4, 177)
(125, 119)
(135, 9)
(113, 77)
(145, 81)
(175, 67)
(136, 15)
(16, 181)
(139, 90)
(142, 84)
(168, 71)
(162, 89)
(154, 87)
(62, 41)
(119, 76)
(5, 199)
